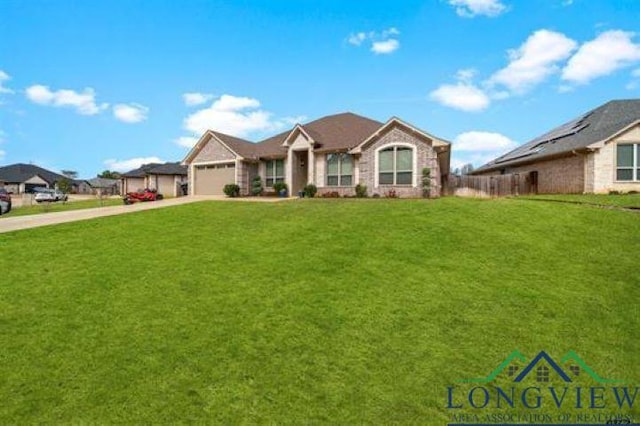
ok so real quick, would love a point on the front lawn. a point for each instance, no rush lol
(311, 311)
(61, 207)
(621, 200)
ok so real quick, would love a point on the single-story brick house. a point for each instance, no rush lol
(22, 178)
(166, 178)
(335, 153)
(597, 152)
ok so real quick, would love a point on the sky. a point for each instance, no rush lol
(95, 85)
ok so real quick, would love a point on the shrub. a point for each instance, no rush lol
(632, 192)
(376, 195)
(256, 186)
(426, 182)
(280, 187)
(614, 192)
(391, 194)
(361, 191)
(310, 190)
(332, 194)
(231, 190)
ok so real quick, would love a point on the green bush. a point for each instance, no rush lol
(310, 190)
(426, 182)
(361, 191)
(256, 186)
(279, 187)
(231, 190)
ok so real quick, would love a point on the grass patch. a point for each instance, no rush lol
(622, 200)
(62, 207)
(315, 311)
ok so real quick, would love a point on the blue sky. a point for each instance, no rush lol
(91, 85)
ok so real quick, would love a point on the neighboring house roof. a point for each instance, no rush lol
(338, 132)
(102, 182)
(588, 129)
(19, 173)
(156, 169)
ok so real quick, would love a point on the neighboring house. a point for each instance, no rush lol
(597, 152)
(80, 186)
(335, 153)
(23, 178)
(165, 178)
(103, 186)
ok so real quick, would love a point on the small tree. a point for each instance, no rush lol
(71, 174)
(64, 185)
(108, 174)
(361, 191)
(426, 182)
(256, 186)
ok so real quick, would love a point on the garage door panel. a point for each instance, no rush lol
(211, 179)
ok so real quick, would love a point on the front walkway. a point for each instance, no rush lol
(10, 224)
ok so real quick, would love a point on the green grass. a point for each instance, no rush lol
(315, 311)
(61, 207)
(623, 200)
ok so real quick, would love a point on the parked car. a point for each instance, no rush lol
(50, 195)
(142, 195)
(5, 201)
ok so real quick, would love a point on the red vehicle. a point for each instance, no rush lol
(142, 195)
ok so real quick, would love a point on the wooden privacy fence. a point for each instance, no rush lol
(491, 186)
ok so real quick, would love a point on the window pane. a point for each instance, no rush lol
(332, 180)
(269, 182)
(345, 180)
(279, 167)
(404, 159)
(386, 160)
(269, 169)
(624, 174)
(625, 155)
(332, 164)
(279, 179)
(347, 164)
(386, 179)
(404, 178)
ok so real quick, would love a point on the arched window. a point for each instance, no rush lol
(395, 166)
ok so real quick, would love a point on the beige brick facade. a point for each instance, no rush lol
(213, 151)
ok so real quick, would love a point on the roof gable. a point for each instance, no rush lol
(20, 172)
(396, 122)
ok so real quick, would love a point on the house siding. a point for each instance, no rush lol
(426, 157)
(604, 178)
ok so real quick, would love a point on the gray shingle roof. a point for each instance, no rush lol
(594, 126)
(18, 173)
(157, 169)
(102, 182)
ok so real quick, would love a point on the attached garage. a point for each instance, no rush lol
(210, 179)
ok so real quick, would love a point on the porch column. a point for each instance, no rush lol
(289, 171)
(311, 166)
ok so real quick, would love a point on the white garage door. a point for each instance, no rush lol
(210, 179)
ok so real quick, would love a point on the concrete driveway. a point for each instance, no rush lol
(8, 224)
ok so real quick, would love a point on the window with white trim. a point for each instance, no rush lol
(339, 170)
(628, 162)
(274, 172)
(395, 166)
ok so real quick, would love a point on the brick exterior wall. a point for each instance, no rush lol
(559, 176)
(426, 157)
(604, 167)
(213, 151)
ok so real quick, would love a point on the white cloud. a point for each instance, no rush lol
(482, 141)
(385, 47)
(130, 113)
(602, 56)
(130, 164)
(462, 95)
(381, 43)
(479, 147)
(235, 115)
(196, 98)
(84, 102)
(471, 8)
(4, 77)
(535, 60)
(186, 141)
